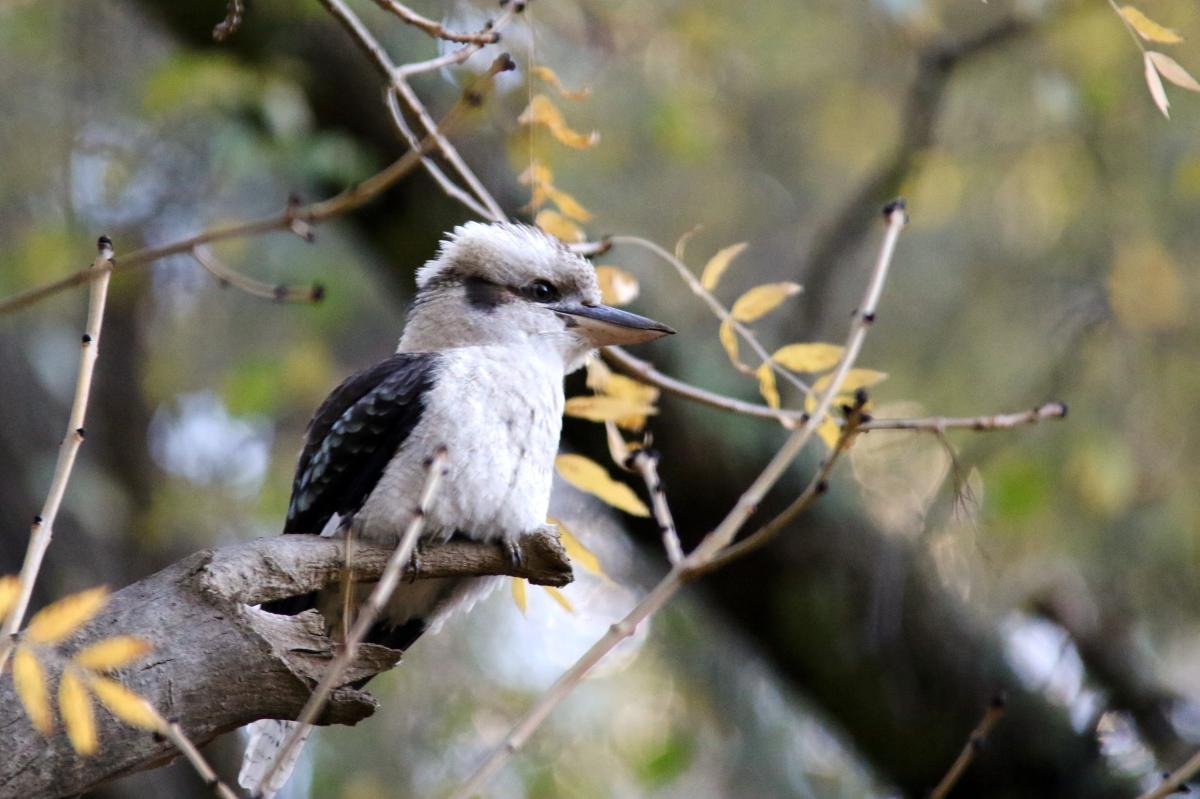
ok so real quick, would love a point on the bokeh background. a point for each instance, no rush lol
(1049, 256)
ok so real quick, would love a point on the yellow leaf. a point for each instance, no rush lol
(77, 714)
(829, 431)
(1170, 69)
(587, 475)
(1148, 29)
(761, 300)
(10, 589)
(766, 384)
(559, 597)
(602, 380)
(567, 204)
(538, 177)
(29, 680)
(617, 287)
(814, 357)
(717, 265)
(729, 341)
(125, 704)
(550, 77)
(579, 555)
(606, 409)
(56, 621)
(112, 653)
(1157, 92)
(558, 226)
(542, 111)
(855, 379)
(518, 591)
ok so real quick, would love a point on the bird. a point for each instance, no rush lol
(502, 314)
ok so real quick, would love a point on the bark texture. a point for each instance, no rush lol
(218, 662)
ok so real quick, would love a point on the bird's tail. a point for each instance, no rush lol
(263, 745)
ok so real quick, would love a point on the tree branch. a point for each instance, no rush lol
(235, 664)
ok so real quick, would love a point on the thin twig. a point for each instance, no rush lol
(718, 309)
(709, 546)
(975, 742)
(436, 29)
(42, 529)
(494, 212)
(816, 488)
(295, 217)
(486, 205)
(461, 54)
(645, 371)
(1174, 781)
(367, 614)
(645, 462)
(175, 734)
(256, 288)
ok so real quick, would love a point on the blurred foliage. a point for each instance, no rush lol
(1049, 256)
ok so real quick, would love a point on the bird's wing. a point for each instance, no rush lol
(354, 435)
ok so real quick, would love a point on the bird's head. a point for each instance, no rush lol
(513, 284)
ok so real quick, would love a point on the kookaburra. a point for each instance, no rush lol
(501, 315)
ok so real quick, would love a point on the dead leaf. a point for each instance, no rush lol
(559, 597)
(1157, 92)
(518, 593)
(550, 77)
(559, 226)
(112, 653)
(606, 409)
(78, 717)
(815, 357)
(587, 475)
(855, 379)
(1148, 29)
(567, 204)
(57, 620)
(761, 300)
(10, 589)
(124, 704)
(29, 680)
(728, 336)
(717, 265)
(617, 287)
(767, 386)
(543, 111)
(578, 554)
(1170, 69)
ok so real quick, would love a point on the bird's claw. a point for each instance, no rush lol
(414, 565)
(515, 559)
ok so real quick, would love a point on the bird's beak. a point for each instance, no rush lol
(602, 325)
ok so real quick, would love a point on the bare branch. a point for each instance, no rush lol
(42, 529)
(293, 217)
(645, 462)
(175, 734)
(255, 288)
(1174, 781)
(211, 594)
(436, 29)
(975, 742)
(711, 544)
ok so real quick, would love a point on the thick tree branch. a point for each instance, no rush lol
(219, 663)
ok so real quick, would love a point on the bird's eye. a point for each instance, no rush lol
(541, 291)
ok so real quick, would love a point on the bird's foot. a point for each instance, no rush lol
(414, 565)
(515, 559)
